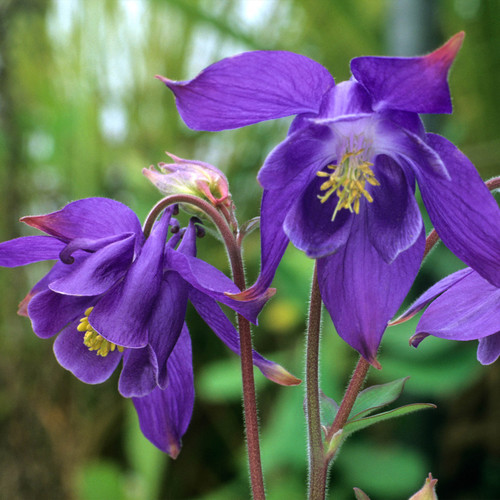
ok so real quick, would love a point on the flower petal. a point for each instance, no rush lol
(468, 310)
(433, 292)
(139, 374)
(212, 282)
(122, 314)
(250, 88)
(86, 365)
(417, 84)
(463, 211)
(308, 149)
(88, 218)
(100, 271)
(167, 320)
(346, 98)
(273, 241)
(489, 349)
(50, 312)
(29, 249)
(164, 415)
(219, 323)
(309, 223)
(393, 218)
(362, 292)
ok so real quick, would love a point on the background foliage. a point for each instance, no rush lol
(81, 115)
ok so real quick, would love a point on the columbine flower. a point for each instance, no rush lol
(113, 295)
(341, 185)
(463, 306)
(191, 177)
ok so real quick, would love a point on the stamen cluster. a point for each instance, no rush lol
(93, 340)
(348, 181)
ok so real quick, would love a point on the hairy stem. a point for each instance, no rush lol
(317, 462)
(223, 223)
(351, 393)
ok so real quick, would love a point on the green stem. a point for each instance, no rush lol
(235, 258)
(317, 462)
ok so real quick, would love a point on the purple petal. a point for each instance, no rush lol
(167, 320)
(224, 329)
(187, 245)
(433, 292)
(308, 149)
(250, 88)
(164, 415)
(75, 356)
(463, 211)
(393, 218)
(100, 271)
(362, 292)
(122, 315)
(50, 312)
(346, 98)
(489, 349)
(468, 310)
(309, 223)
(89, 218)
(417, 84)
(273, 240)
(29, 249)
(139, 374)
(212, 282)
(402, 144)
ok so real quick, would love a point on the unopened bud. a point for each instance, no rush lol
(428, 491)
(191, 177)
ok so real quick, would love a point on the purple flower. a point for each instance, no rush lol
(114, 295)
(341, 185)
(463, 306)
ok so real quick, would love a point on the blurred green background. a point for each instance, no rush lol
(81, 115)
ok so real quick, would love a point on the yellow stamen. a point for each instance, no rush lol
(93, 340)
(348, 180)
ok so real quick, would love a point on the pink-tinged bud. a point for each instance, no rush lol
(428, 491)
(191, 177)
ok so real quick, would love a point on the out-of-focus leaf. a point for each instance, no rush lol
(98, 480)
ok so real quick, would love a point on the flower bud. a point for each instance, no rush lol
(427, 492)
(191, 177)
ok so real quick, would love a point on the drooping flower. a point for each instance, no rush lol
(114, 295)
(341, 186)
(463, 306)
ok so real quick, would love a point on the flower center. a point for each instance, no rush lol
(93, 340)
(348, 180)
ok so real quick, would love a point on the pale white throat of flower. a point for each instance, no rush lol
(93, 340)
(348, 180)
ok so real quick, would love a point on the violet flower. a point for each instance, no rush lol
(114, 295)
(341, 186)
(463, 306)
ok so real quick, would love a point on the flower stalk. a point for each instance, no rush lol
(225, 225)
(317, 463)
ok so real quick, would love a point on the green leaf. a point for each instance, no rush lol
(328, 409)
(356, 425)
(377, 396)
